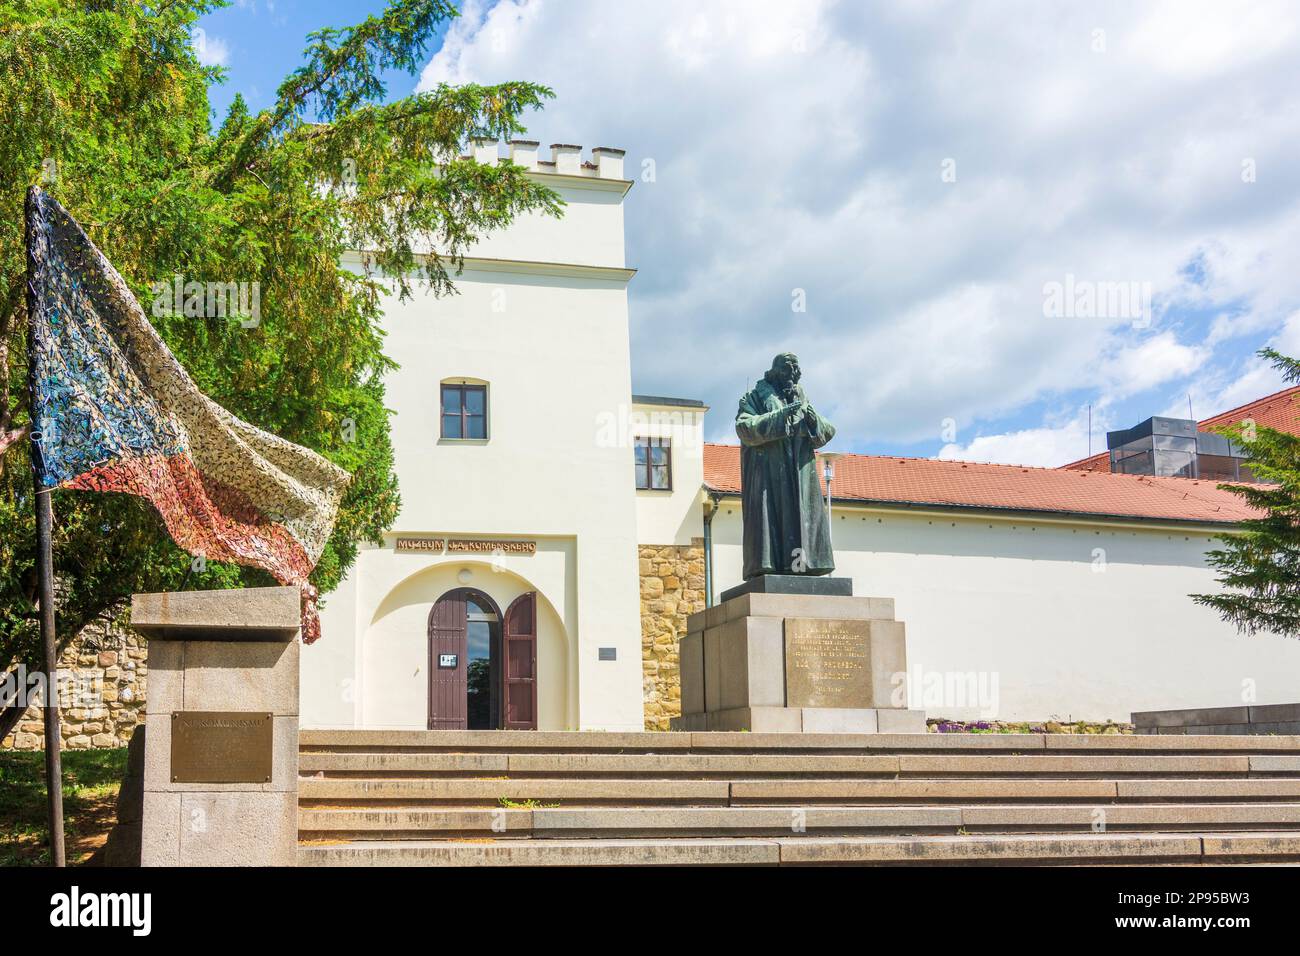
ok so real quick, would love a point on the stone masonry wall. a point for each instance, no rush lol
(672, 587)
(102, 677)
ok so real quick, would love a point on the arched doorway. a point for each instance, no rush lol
(482, 664)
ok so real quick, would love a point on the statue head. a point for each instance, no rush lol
(784, 372)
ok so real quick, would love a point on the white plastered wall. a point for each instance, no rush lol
(1030, 619)
(672, 517)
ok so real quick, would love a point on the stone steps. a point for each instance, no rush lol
(515, 741)
(370, 764)
(523, 798)
(500, 791)
(1098, 790)
(1054, 849)
(493, 792)
(414, 823)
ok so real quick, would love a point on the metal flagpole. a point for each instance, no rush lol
(53, 761)
(44, 565)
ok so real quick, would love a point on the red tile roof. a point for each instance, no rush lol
(962, 484)
(1279, 411)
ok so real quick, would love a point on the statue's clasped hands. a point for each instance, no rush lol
(797, 411)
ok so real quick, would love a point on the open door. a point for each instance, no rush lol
(520, 671)
(447, 674)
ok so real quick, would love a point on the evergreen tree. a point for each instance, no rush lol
(106, 104)
(1259, 563)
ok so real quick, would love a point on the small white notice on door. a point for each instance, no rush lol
(446, 660)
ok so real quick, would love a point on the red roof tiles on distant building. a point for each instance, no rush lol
(961, 484)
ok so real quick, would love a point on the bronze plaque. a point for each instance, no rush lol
(466, 546)
(217, 746)
(827, 663)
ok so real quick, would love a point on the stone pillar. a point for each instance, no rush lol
(221, 748)
(770, 662)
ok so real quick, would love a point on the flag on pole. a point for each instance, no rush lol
(113, 410)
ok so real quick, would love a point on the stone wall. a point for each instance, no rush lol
(672, 587)
(102, 677)
(1241, 719)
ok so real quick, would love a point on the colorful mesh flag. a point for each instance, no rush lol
(113, 410)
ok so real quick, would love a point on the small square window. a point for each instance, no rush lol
(653, 458)
(464, 411)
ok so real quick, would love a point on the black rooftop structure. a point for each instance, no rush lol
(1175, 448)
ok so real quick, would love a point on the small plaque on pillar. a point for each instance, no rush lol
(211, 746)
(827, 663)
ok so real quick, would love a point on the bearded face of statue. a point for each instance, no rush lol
(785, 374)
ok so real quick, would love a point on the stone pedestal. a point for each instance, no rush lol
(221, 747)
(789, 663)
(790, 584)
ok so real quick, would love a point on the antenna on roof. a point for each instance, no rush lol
(1189, 407)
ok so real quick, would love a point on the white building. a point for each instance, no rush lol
(513, 401)
(555, 530)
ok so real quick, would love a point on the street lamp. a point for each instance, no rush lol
(828, 472)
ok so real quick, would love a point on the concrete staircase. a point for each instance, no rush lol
(437, 798)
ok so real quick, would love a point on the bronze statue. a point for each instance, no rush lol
(787, 530)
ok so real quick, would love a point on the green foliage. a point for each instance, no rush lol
(91, 780)
(1259, 564)
(106, 104)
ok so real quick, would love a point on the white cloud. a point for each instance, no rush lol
(1043, 447)
(1058, 442)
(802, 146)
(1153, 362)
(211, 50)
(1256, 378)
(1156, 362)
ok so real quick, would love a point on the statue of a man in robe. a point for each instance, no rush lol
(787, 530)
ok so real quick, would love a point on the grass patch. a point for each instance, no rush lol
(944, 726)
(528, 804)
(91, 779)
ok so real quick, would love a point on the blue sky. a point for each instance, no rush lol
(921, 175)
(263, 41)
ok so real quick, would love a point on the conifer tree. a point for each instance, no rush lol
(106, 105)
(1259, 562)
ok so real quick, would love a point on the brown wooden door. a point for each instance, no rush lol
(447, 647)
(519, 635)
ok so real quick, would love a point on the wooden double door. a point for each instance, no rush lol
(482, 663)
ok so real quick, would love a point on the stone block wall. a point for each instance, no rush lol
(672, 588)
(102, 676)
(1242, 719)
